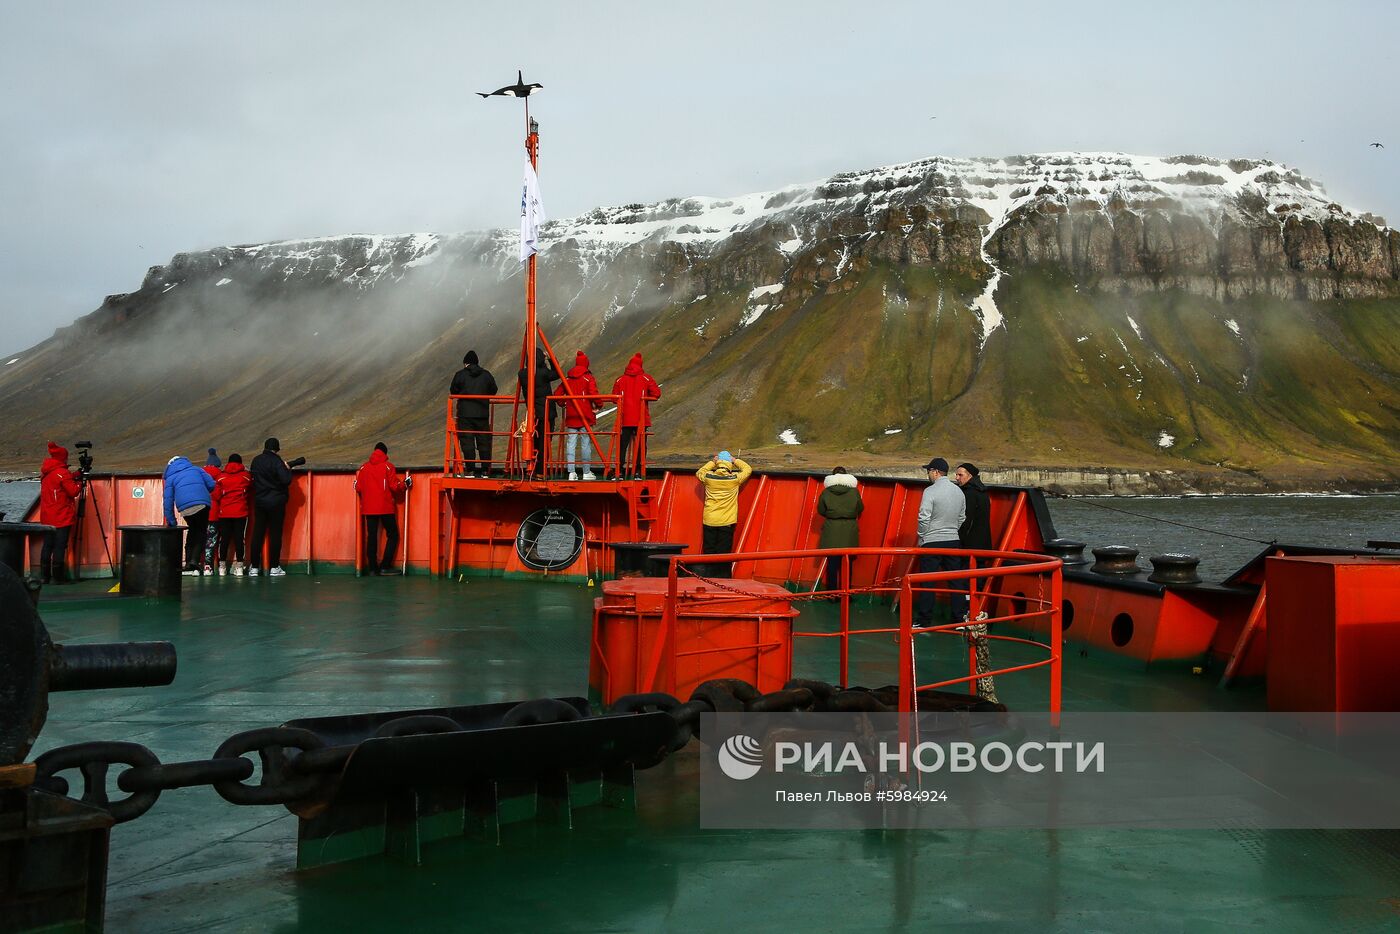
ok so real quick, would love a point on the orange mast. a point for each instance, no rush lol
(527, 439)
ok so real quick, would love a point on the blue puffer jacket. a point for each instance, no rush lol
(185, 485)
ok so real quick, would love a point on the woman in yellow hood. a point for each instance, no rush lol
(722, 476)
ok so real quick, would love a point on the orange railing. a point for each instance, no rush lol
(505, 429)
(504, 453)
(974, 581)
(602, 442)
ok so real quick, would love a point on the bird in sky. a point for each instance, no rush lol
(1377, 146)
(518, 89)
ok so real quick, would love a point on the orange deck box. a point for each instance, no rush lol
(719, 634)
(1334, 633)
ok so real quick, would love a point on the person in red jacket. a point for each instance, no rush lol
(231, 500)
(637, 389)
(58, 497)
(580, 416)
(376, 483)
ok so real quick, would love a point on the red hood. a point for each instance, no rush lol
(53, 463)
(377, 456)
(580, 365)
(233, 467)
(634, 366)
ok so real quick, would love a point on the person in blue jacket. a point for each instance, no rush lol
(187, 490)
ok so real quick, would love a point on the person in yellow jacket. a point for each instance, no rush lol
(721, 476)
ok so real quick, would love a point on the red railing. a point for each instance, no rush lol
(602, 441)
(505, 428)
(500, 431)
(983, 566)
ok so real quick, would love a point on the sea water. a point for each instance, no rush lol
(1228, 530)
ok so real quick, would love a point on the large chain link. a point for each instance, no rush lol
(93, 760)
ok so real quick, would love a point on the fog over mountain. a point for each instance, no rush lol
(1183, 313)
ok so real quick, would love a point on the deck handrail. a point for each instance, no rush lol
(996, 564)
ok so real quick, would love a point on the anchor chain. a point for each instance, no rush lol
(299, 769)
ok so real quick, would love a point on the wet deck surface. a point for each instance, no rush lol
(259, 652)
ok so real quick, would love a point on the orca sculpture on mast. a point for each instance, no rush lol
(531, 213)
(528, 454)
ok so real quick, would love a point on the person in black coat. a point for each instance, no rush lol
(545, 375)
(474, 415)
(271, 478)
(976, 530)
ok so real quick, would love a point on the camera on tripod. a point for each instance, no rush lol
(84, 456)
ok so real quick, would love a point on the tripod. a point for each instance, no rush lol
(78, 529)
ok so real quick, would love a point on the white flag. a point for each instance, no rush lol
(531, 213)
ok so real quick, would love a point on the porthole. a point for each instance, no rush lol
(1066, 615)
(549, 539)
(1122, 630)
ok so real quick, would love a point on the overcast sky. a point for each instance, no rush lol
(130, 132)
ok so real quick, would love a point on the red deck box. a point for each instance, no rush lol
(1334, 633)
(719, 634)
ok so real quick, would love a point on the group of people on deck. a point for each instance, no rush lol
(216, 501)
(954, 513)
(635, 390)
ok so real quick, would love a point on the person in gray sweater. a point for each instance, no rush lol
(942, 510)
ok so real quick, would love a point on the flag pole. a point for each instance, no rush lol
(527, 440)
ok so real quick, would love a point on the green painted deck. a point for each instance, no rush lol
(258, 652)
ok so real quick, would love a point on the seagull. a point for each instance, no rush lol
(518, 89)
(1377, 146)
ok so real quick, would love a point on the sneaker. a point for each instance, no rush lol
(190, 572)
(221, 569)
(237, 570)
(208, 571)
(252, 572)
(588, 476)
(573, 476)
(277, 572)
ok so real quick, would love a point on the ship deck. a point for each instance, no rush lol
(259, 652)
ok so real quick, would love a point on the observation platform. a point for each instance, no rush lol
(552, 486)
(256, 652)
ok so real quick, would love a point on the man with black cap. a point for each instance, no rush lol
(271, 478)
(474, 415)
(942, 510)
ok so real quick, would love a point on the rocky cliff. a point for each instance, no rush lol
(1051, 310)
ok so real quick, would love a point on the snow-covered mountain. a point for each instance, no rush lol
(1052, 308)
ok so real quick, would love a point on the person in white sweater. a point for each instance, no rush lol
(942, 510)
